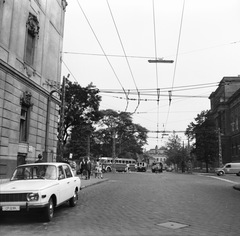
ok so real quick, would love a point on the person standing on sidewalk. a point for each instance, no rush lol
(99, 169)
(127, 168)
(40, 159)
(83, 168)
(89, 168)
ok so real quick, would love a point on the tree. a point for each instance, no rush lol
(117, 133)
(81, 112)
(175, 152)
(206, 140)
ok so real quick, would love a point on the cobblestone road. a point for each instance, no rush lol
(142, 204)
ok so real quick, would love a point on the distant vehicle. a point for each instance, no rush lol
(229, 168)
(41, 186)
(157, 167)
(169, 168)
(119, 164)
(141, 166)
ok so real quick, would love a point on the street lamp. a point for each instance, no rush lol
(160, 60)
(61, 130)
(219, 147)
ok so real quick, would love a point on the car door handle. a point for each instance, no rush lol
(68, 182)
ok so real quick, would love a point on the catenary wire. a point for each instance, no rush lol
(85, 16)
(176, 58)
(125, 55)
(150, 57)
(156, 67)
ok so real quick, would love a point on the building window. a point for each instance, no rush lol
(25, 102)
(29, 51)
(32, 32)
(236, 123)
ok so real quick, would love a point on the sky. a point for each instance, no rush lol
(108, 43)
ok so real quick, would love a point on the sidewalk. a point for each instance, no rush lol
(92, 181)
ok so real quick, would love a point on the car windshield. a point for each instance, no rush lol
(48, 172)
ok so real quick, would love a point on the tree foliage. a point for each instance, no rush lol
(203, 131)
(81, 112)
(174, 151)
(129, 137)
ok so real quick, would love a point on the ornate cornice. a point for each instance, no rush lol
(33, 25)
(25, 100)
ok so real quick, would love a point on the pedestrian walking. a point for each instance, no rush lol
(98, 170)
(127, 168)
(83, 168)
(89, 168)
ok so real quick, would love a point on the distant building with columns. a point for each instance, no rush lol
(157, 155)
(225, 110)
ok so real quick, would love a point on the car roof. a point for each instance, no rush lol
(44, 163)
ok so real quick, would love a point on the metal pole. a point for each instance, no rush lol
(88, 145)
(114, 149)
(61, 128)
(220, 147)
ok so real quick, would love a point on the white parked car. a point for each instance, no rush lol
(229, 168)
(40, 185)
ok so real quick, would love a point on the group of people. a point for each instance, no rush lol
(87, 168)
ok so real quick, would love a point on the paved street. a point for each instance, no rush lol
(143, 204)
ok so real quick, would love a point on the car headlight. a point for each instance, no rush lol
(32, 197)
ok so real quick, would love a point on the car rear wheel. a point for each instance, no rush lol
(48, 211)
(74, 199)
(220, 173)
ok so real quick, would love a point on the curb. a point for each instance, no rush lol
(92, 184)
(237, 187)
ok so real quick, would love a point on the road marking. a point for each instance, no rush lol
(226, 180)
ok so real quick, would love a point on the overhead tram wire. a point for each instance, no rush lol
(104, 53)
(156, 68)
(152, 92)
(148, 57)
(69, 70)
(114, 22)
(176, 58)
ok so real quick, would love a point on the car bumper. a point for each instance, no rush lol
(19, 206)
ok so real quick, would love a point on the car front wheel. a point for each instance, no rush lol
(49, 211)
(74, 199)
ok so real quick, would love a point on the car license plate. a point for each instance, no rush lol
(11, 208)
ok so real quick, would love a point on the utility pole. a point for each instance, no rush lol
(61, 125)
(114, 148)
(219, 147)
(88, 144)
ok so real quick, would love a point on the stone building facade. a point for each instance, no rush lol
(31, 38)
(157, 155)
(225, 110)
